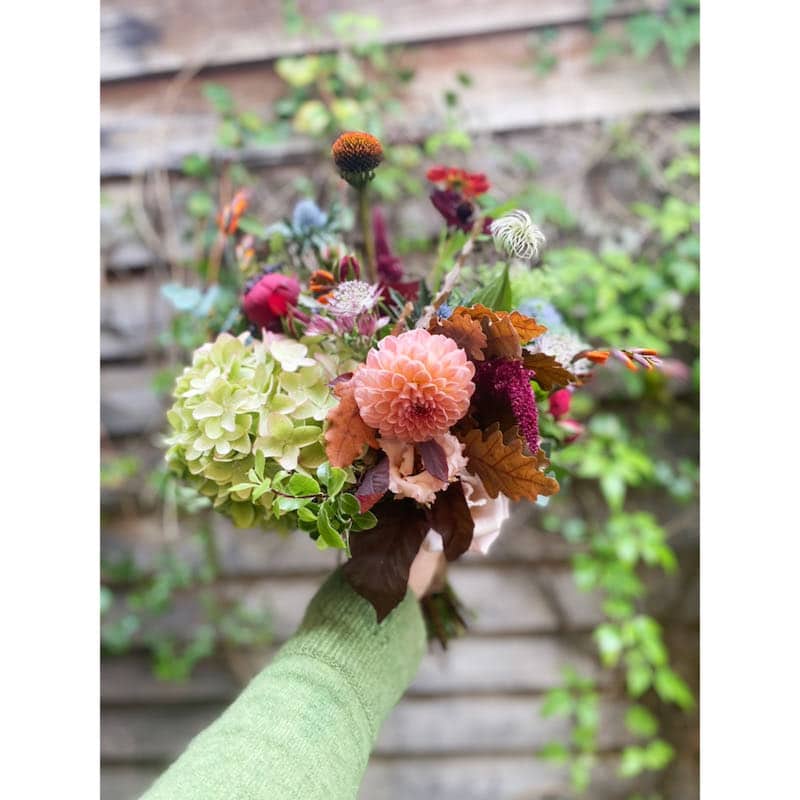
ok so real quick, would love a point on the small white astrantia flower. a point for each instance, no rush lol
(515, 234)
(352, 298)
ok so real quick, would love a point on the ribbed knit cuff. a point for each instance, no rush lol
(378, 661)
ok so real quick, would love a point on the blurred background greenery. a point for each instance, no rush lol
(583, 113)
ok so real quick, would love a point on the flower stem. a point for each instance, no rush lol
(366, 231)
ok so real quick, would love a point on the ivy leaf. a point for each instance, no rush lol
(451, 519)
(549, 373)
(644, 31)
(434, 459)
(381, 558)
(464, 331)
(374, 485)
(347, 433)
(504, 468)
(640, 721)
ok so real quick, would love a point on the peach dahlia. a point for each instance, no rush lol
(414, 386)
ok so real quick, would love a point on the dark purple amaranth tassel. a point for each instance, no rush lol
(504, 379)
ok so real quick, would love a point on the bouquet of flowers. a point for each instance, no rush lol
(381, 415)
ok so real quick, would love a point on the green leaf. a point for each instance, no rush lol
(300, 485)
(557, 703)
(600, 9)
(638, 678)
(672, 688)
(644, 31)
(554, 752)
(658, 754)
(365, 521)
(182, 298)
(261, 489)
(349, 505)
(327, 532)
(496, 294)
(283, 505)
(336, 481)
(633, 761)
(609, 643)
(312, 118)
(252, 226)
(219, 97)
(196, 166)
(298, 72)
(306, 515)
(640, 721)
(241, 487)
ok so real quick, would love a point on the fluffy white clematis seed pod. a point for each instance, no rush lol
(515, 234)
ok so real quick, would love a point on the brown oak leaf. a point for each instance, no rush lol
(503, 466)
(347, 433)
(527, 328)
(549, 373)
(464, 331)
(451, 519)
(381, 557)
(502, 338)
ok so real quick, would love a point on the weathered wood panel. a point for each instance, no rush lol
(469, 777)
(128, 405)
(416, 726)
(138, 133)
(154, 37)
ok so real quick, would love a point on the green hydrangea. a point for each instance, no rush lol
(246, 410)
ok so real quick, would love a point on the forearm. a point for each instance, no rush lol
(305, 726)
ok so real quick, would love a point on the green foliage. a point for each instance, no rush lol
(134, 600)
(578, 700)
(645, 296)
(676, 28)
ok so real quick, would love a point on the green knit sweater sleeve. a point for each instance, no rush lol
(304, 727)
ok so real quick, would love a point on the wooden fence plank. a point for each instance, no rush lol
(150, 37)
(416, 726)
(470, 665)
(496, 777)
(505, 95)
(128, 404)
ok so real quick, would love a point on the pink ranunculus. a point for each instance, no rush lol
(269, 300)
(421, 486)
(560, 402)
(415, 386)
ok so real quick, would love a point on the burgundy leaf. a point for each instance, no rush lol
(434, 459)
(449, 516)
(374, 485)
(381, 558)
(345, 376)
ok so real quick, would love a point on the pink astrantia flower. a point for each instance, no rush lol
(421, 486)
(414, 386)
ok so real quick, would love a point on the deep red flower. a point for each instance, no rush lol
(503, 382)
(270, 299)
(559, 402)
(458, 212)
(390, 270)
(468, 184)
